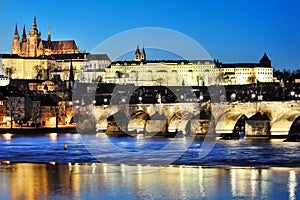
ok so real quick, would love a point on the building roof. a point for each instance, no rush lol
(241, 65)
(70, 56)
(98, 57)
(129, 62)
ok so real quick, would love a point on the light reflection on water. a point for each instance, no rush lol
(101, 181)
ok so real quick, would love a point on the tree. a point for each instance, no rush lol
(36, 112)
(14, 109)
(40, 72)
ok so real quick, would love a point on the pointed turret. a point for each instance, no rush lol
(49, 34)
(24, 38)
(265, 61)
(71, 77)
(137, 54)
(16, 30)
(143, 55)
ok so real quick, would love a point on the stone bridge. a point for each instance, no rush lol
(260, 118)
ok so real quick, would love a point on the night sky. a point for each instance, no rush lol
(230, 31)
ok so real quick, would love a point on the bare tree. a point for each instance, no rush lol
(14, 109)
(36, 112)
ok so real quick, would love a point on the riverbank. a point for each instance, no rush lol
(32, 130)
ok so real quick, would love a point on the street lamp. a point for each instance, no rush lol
(140, 99)
(105, 101)
(232, 97)
(201, 97)
(123, 100)
(253, 96)
(293, 94)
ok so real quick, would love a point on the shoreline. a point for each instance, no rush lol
(26, 130)
(224, 167)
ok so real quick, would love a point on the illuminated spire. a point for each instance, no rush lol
(16, 30)
(34, 29)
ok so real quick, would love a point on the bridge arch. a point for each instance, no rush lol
(227, 122)
(284, 123)
(175, 123)
(138, 121)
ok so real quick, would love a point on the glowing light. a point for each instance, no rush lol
(52, 120)
(53, 136)
(292, 185)
(7, 136)
(52, 163)
(7, 162)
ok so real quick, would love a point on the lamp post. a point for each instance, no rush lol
(140, 99)
(56, 117)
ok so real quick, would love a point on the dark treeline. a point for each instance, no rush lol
(287, 75)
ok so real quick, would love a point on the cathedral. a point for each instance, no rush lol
(32, 45)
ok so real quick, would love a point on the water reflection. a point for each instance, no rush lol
(7, 136)
(74, 181)
(292, 184)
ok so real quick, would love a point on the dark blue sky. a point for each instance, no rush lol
(229, 30)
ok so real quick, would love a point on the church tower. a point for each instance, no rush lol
(16, 42)
(137, 54)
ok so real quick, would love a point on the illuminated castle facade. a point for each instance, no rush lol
(143, 72)
(32, 45)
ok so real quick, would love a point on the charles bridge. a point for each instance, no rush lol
(260, 118)
(259, 110)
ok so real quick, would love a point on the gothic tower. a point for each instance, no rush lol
(16, 42)
(34, 38)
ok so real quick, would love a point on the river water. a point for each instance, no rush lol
(100, 167)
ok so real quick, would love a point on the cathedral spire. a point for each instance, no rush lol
(16, 30)
(34, 29)
(24, 38)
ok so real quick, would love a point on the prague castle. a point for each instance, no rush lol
(34, 58)
(143, 72)
(32, 45)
